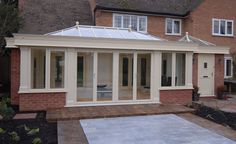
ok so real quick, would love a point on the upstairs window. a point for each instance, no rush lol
(228, 67)
(222, 27)
(138, 23)
(173, 26)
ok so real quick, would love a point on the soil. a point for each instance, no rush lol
(47, 131)
(218, 116)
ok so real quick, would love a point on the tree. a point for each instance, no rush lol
(9, 21)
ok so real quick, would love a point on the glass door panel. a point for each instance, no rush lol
(143, 76)
(84, 76)
(104, 75)
(125, 77)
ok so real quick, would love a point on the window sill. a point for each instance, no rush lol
(43, 91)
(170, 34)
(177, 88)
(218, 35)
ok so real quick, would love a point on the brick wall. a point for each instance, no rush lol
(15, 75)
(175, 96)
(202, 21)
(41, 101)
(195, 69)
(103, 18)
(219, 71)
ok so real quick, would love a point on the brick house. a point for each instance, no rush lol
(165, 19)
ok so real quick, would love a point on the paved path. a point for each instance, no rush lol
(77, 113)
(72, 132)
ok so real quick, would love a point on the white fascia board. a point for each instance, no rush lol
(100, 43)
(213, 50)
(10, 42)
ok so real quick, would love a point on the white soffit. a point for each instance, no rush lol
(103, 32)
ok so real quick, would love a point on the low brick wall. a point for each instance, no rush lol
(175, 96)
(41, 101)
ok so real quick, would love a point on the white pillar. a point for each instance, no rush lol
(115, 77)
(156, 76)
(135, 76)
(173, 69)
(95, 71)
(25, 69)
(71, 74)
(189, 69)
(47, 75)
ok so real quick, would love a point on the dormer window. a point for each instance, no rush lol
(138, 23)
(222, 27)
(173, 26)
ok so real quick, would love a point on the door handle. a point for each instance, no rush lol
(205, 76)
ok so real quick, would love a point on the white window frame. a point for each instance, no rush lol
(225, 67)
(122, 20)
(172, 29)
(226, 25)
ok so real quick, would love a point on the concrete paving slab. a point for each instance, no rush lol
(25, 116)
(161, 129)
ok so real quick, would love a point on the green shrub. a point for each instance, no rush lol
(2, 131)
(14, 136)
(33, 131)
(5, 111)
(37, 141)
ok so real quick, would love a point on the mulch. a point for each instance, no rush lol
(47, 131)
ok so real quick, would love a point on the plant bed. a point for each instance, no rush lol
(218, 116)
(27, 131)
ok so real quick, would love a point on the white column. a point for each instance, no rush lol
(156, 76)
(25, 69)
(173, 69)
(115, 77)
(135, 76)
(189, 69)
(47, 75)
(71, 76)
(95, 71)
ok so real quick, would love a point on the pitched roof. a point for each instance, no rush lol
(44, 16)
(190, 39)
(160, 7)
(103, 32)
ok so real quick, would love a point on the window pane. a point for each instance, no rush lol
(222, 27)
(176, 27)
(228, 67)
(143, 76)
(57, 69)
(118, 21)
(134, 22)
(142, 24)
(180, 69)
(166, 69)
(216, 27)
(125, 76)
(104, 76)
(38, 68)
(84, 76)
(126, 21)
(169, 26)
(229, 28)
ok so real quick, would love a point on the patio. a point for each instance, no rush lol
(164, 129)
(77, 113)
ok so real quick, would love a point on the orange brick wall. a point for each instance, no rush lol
(103, 18)
(195, 69)
(219, 71)
(175, 96)
(41, 101)
(202, 21)
(15, 76)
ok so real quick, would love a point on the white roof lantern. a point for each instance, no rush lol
(191, 39)
(103, 32)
